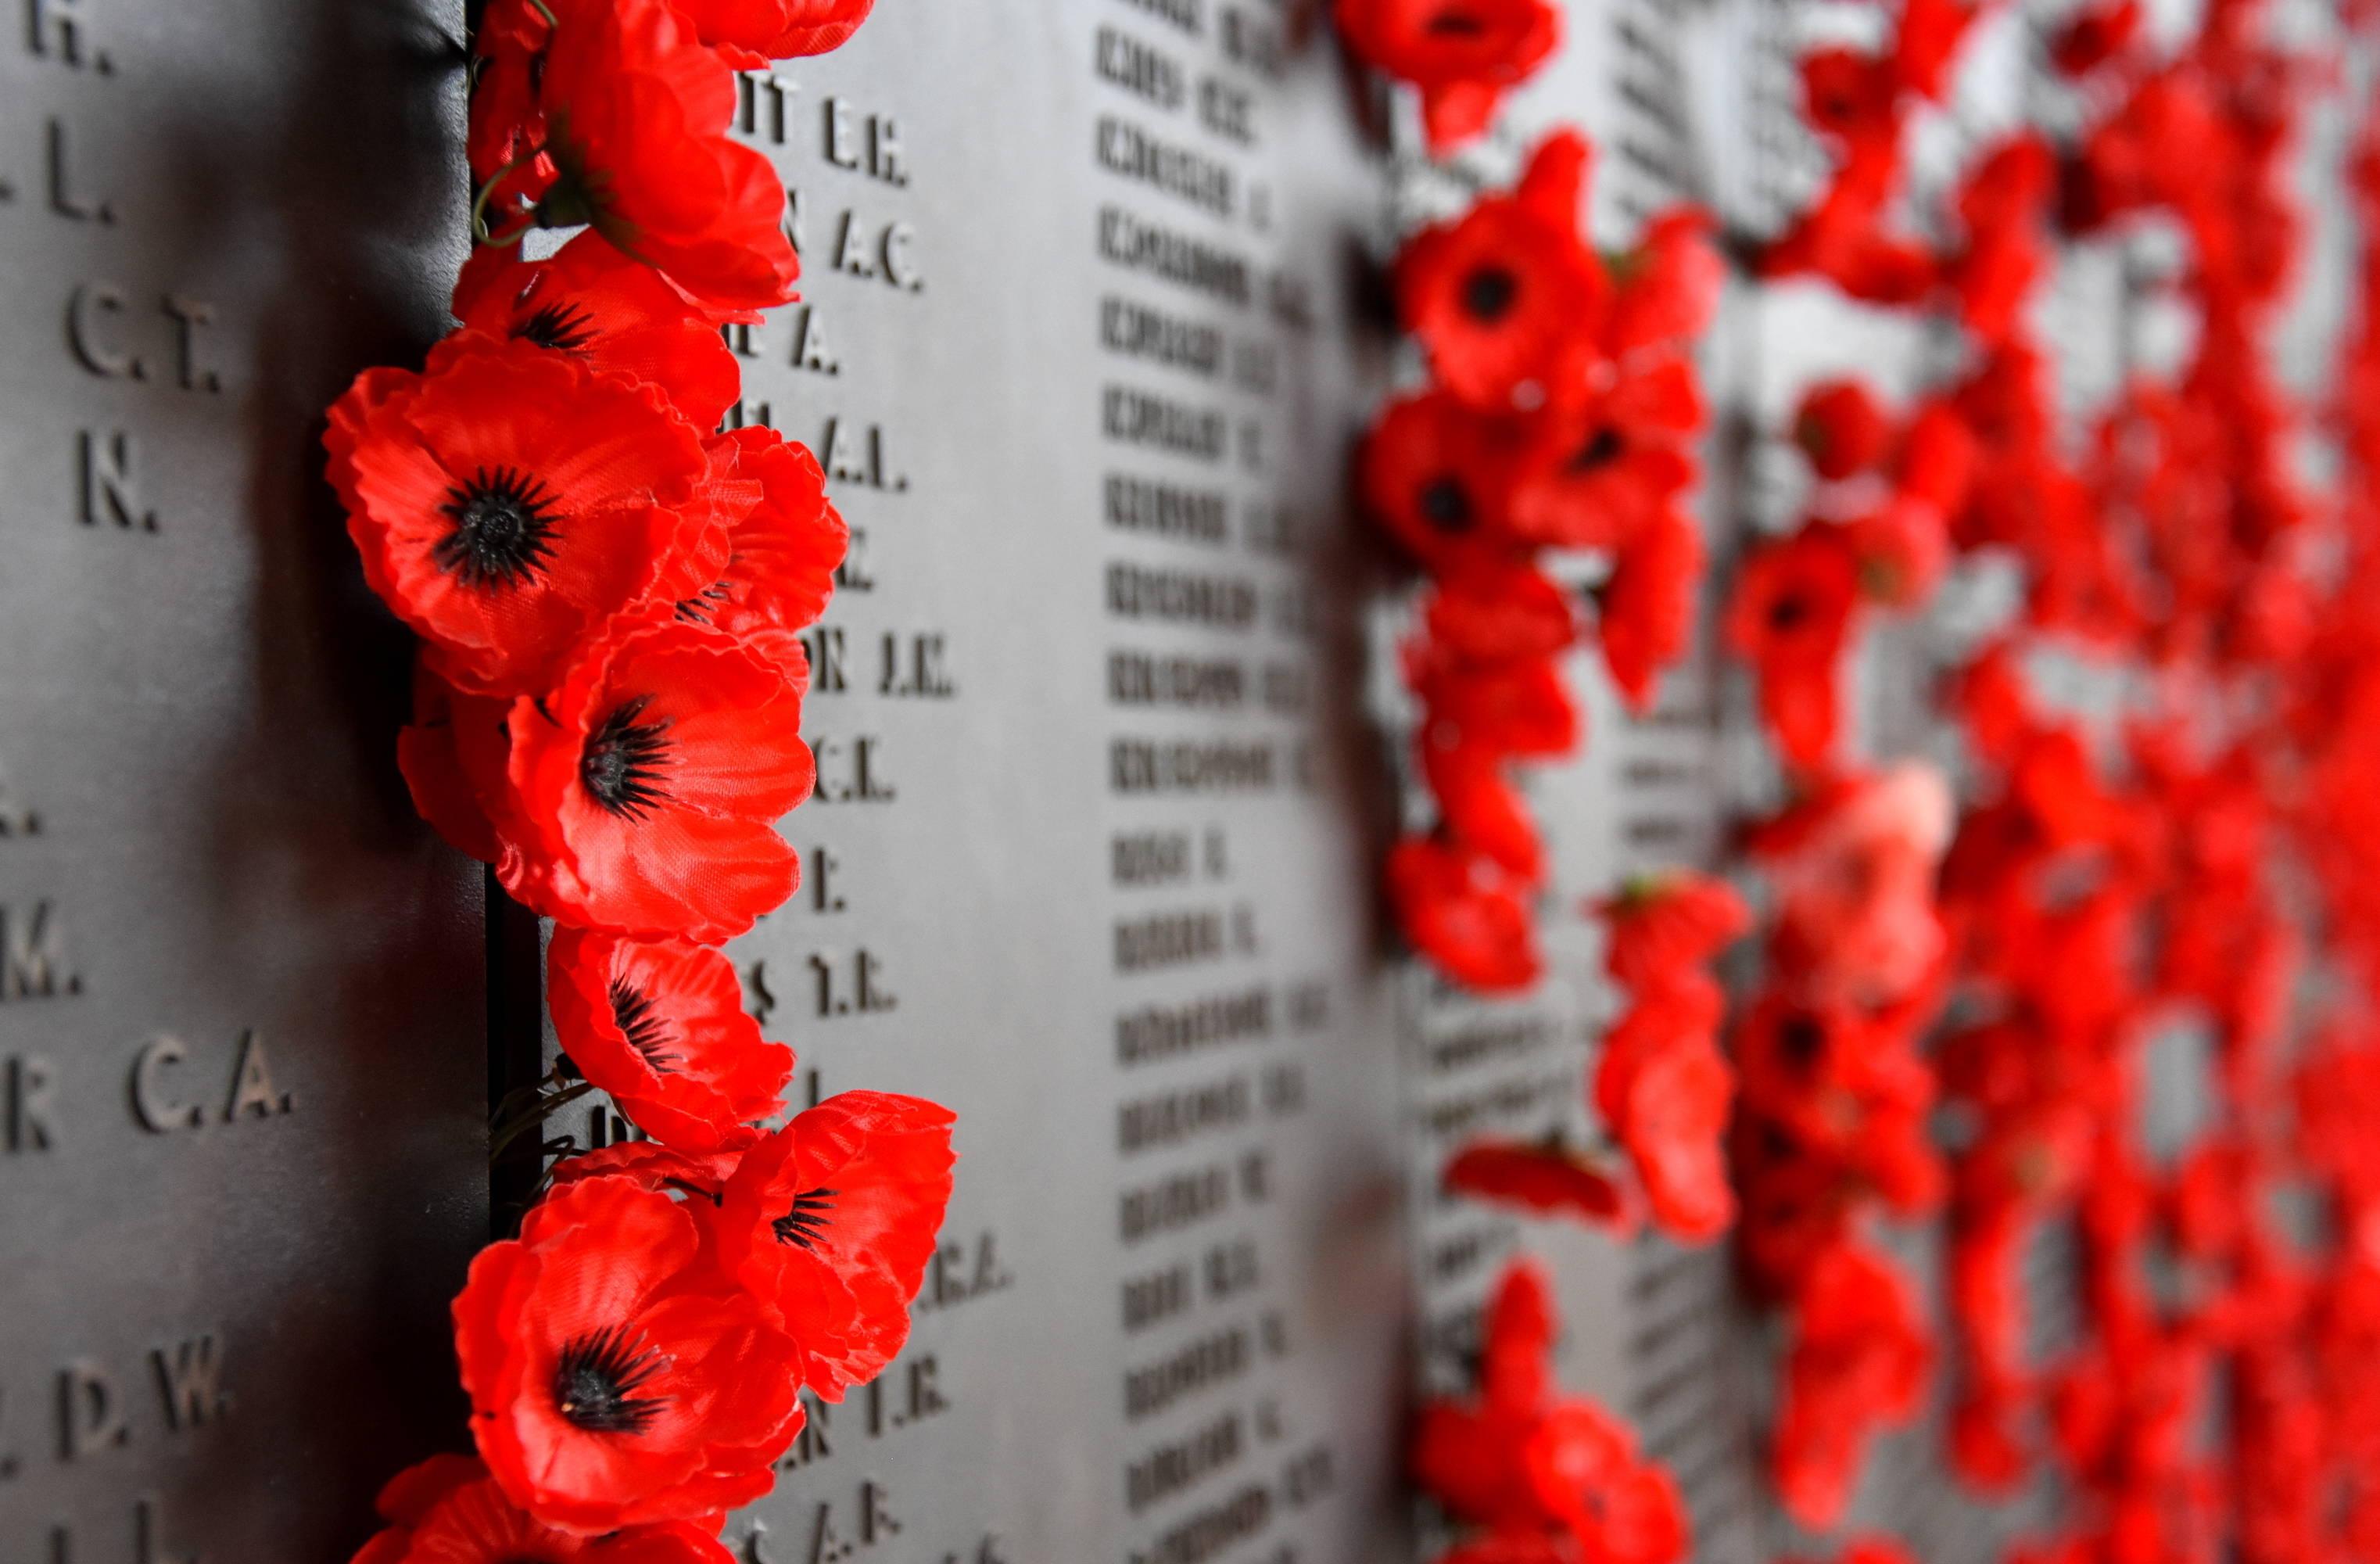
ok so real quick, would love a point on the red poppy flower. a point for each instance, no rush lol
(453, 759)
(783, 538)
(1463, 915)
(1938, 458)
(1672, 1117)
(1791, 616)
(660, 1167)
(651, 782)
(448, 1511)
(1860, 1360)
(1929, 36)
(1842, 428)
(1902, 548)
(1513, 706)
(1851, 96)
(1551, 1179)
(1508, 300)
(2095, 35)
(633, 114)
(660, 1026)
(1481, 809)
(608, 1387)
(829, 1222)
(1438, 476)
(1462, 54)
(1648, 604)
(1854, 872)
(1666, 928)
(753, 32)
(1499, 612)
(1667, 289)
(612, 313)
(1520, 1460)
(1597, 476)
(507, 504)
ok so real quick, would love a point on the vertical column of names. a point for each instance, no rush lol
(829, 971)
(1209, 678)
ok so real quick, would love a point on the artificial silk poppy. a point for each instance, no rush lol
(1924, 43)
(1647, 604)
(1467, 916)
(610, 312)
(1481, 809)
(1595, 476)
(1665, 926)
(1859, 1362)
(1499, 613)
(1511, 706)
(452, 756)
(1851, 96)
(1520, 1460)
(1462, 54)
(611, 1384)
(1667, 289)
(1841, 428)
(1902, 549)
(659, 1025)
(1507, 301)
(752, 33)
(1438, 476)
(1791, 616)
(635, 115)
(2095, 35)
(1669, 1109)
(783, 538)
(660, 1167)
(651, 781)
(1854, 869)
(1549, 1179)
(829, 1222)
(508, 503)
(448, 1511)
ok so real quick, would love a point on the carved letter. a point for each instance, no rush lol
(189, 315)
(88, 1418)
(89, 302)
(252, 1089)
(192, 1378)
(108, 486)
(28, 1104)
(157, 1112)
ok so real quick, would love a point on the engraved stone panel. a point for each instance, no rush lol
(242, 1046)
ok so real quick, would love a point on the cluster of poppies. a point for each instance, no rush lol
(2113, 879)
(1662, 1086)
(1460, 55)
(1561, 404)
(1550, 1479)
(1552, 443)
(608, 593)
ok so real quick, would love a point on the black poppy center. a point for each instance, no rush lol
(806, 1223)
(564, 327)
(598, 1375)
(633, 1012)
(1788, 613)
(504, 528)
(1446, 505)
(1454, 23)
(1801, 1037)
(1488, 293)
(622, 761)
(1601, 451)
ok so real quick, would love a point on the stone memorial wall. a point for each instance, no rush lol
(1109, 737)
